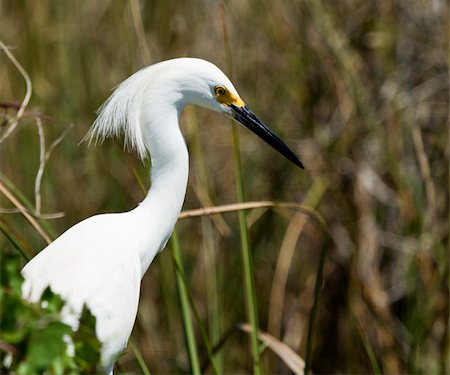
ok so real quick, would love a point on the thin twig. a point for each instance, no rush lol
(58, 141)
(257, 204)
(24, 212)
(43, 158)
(40, 172)
(16, 106)
(15, 121)
(49, 216)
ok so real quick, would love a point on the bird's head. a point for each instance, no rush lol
(176, 83)
(204, 84)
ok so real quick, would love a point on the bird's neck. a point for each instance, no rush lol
(169, 174)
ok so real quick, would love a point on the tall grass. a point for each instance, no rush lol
(247, 256)
(358, 89)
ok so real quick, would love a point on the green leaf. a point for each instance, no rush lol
(46, 344)
(35, 334)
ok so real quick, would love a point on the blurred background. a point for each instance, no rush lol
(358, 89)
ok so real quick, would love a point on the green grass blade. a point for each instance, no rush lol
(247, 259)
(204, 335)
(139, 357)
(12, 238)
(249, 282)
(184, 302)
(212, 269)
(314, 308)
(368, 347)
(212, 290)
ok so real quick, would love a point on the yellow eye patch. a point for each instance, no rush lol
(225, 97)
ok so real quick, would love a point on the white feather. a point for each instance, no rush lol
(121, 112)
(101, 260)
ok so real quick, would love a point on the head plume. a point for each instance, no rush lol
(121, 113)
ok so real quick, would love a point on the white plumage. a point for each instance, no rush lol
(101, 260)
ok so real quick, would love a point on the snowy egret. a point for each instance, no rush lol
(101, 260)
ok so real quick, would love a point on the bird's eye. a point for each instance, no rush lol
(219, 90)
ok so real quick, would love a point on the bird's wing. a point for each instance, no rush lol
(93, 263)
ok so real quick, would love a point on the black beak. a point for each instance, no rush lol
(247, 118)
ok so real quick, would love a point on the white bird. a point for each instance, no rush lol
(101, 260)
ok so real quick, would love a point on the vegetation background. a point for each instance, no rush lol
(359, 89)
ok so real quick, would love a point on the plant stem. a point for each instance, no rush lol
(185, 311)
(139, 358)
(247, 259)
(212, 272)
(249, 282)
(313, 314)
